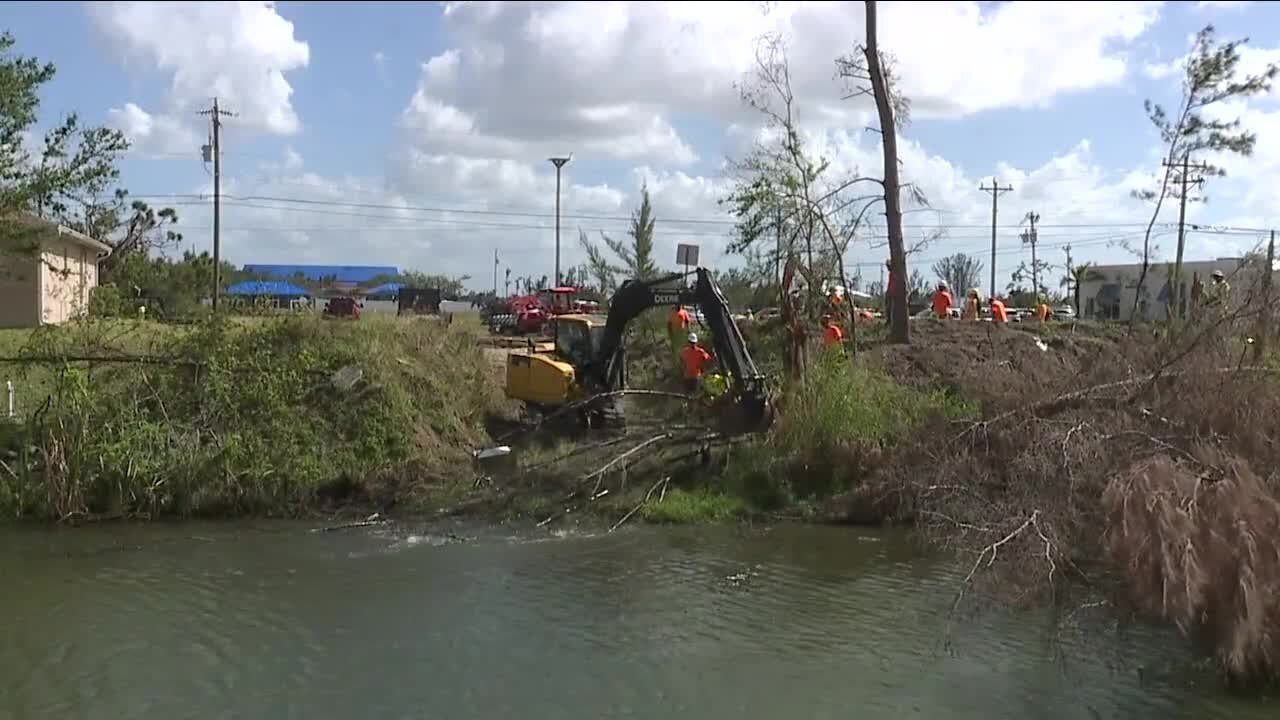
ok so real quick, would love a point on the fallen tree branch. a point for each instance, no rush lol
(1059, 402)
(994, 549)
(663, 482)
(623, 456)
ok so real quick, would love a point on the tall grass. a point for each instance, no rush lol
(249, 419)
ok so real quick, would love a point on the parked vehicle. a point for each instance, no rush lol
(342, 307)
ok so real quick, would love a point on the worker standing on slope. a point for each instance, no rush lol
(678, 327)
(832, 335)
(942, 302)
(695, 359)
(972, 305)
(1218, 294)
(998, 313)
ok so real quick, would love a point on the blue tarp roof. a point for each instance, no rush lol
(383, 289)
(342, 273)
(276, 289)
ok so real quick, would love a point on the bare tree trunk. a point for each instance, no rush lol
(899, 329)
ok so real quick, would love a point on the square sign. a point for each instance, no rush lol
(686, 255)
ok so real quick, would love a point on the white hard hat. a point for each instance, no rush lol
(693, 337)
(1218, 274)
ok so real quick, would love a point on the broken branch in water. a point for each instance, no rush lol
(600, 473)
(994, 549)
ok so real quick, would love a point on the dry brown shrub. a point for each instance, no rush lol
(1196, 542)
(1132, 467)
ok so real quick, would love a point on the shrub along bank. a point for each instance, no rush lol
(232, 418)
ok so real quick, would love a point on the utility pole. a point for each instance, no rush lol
(1264, 319)
(559, 162)
(1184, 167)
(215, 120)
(506, 284)
(1071, 279)
(495, 274)
(996, 191)
(1029, 238)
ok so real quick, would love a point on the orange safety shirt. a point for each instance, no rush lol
(833, 335)
(942, 303)
(998, 313)
(679, 320)
(695, 360)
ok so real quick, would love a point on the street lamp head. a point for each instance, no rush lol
(561, 161)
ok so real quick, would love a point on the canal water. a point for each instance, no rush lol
(274, 621)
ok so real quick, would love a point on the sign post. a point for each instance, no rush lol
(686, 255)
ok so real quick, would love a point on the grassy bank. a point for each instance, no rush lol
(244, 418)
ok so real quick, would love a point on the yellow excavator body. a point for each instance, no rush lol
(546, 376)
(539, 378)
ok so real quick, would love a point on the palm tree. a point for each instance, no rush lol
(1079, 275)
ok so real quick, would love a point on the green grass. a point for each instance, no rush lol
(692, 507)
(260, 428)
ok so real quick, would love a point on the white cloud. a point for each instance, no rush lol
(642, 92)
(237, 51)
(148, 133)
(1222, 4)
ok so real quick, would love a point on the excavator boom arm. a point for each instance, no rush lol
(635, 297)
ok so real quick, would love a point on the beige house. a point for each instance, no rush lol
(1111, 291)
(47, 271)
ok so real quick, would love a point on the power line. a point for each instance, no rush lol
(580, 216)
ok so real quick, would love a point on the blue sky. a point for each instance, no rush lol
(416, 113)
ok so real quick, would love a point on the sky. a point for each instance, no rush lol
(417, 134)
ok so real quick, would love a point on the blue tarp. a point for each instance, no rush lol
(315, 273)
(383, 289)
(274, 289)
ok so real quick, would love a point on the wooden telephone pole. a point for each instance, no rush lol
(215, 119)
(1029, 237)
(996, 191)
(1184, 168)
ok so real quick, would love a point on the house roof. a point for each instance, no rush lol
(62, 231)
(274, 289)
(314, 273)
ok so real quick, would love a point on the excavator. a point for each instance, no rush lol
(588, 359)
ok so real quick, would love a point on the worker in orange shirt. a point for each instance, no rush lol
(695, 359)
(832, 335)
(1042, 310)
(678, 327)
(998, 313)
(942, 302)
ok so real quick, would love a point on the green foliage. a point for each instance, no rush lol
(251, 420)
(170, 288)
(75, 162)
(842, 402)
(599, 269)
(635, 257)
(688, 507)
(1210, 77)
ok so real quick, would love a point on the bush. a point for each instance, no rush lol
(249, 419)
(842, 401)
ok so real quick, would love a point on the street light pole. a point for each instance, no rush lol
(559, 162)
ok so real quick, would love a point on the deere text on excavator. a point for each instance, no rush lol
(587, 358)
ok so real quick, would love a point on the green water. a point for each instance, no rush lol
(273, 621)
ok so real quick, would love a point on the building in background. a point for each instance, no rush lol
(343, 278)
(1109, 291)
(47, 271)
